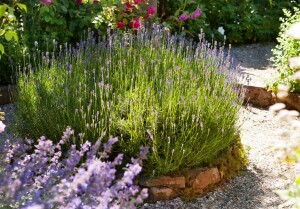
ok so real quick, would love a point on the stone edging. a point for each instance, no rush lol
(193, 182)
(263, 98)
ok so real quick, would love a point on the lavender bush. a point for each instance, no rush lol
(83, 178)
(171, 94)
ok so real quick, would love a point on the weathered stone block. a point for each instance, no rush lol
(157, 194)
(258, 96)
(164, 181)
(292, 101)
(201, 178)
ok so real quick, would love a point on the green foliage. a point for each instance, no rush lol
(62, 20)
(232, 160)
(244, 21)
(148, 89)
(10, 27)
(292, 196)
(8, 22)
(287, 47)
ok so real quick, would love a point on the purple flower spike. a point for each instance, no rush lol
(79, 179)
(196, 14)
(183, 17)
(107, 146)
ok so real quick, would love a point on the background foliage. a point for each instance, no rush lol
(244, 21)
(287, 47)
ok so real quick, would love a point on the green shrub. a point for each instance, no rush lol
(10, 26)
(151, 89)
(287, 47)
(244, 21)
(62, 20)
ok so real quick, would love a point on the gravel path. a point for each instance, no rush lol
(254, 188)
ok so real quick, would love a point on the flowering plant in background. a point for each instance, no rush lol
(186, 13)
(46, 2)
(290, 150)
(84, 178)
(183, 18)
(126, 14)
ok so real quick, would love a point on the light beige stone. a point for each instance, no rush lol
(294, 63)
(294, 31)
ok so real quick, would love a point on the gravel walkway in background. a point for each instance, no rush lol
(254, 188)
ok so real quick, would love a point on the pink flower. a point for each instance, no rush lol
(2, 127)
(183, 17)
(196, 14)
(46, 2)
(151, 10)
(136, 23)
(120, 24)
(79, 2)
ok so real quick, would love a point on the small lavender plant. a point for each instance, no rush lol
(171, 94)
(82, 179)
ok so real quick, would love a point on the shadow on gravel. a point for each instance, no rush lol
(253, 56)
(245, 191)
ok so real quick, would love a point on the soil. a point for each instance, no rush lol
(255, 187)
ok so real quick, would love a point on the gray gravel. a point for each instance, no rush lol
(254, 188)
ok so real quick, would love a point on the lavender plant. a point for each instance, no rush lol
(84, 178)
(171, 94)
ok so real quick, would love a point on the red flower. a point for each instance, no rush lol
(135, 23)
(120, 24)
(79, 1)
(129, 7)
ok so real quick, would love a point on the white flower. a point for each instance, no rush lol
(221, 30)
(2, 127)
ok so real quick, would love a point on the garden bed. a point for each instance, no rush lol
(255, 188)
